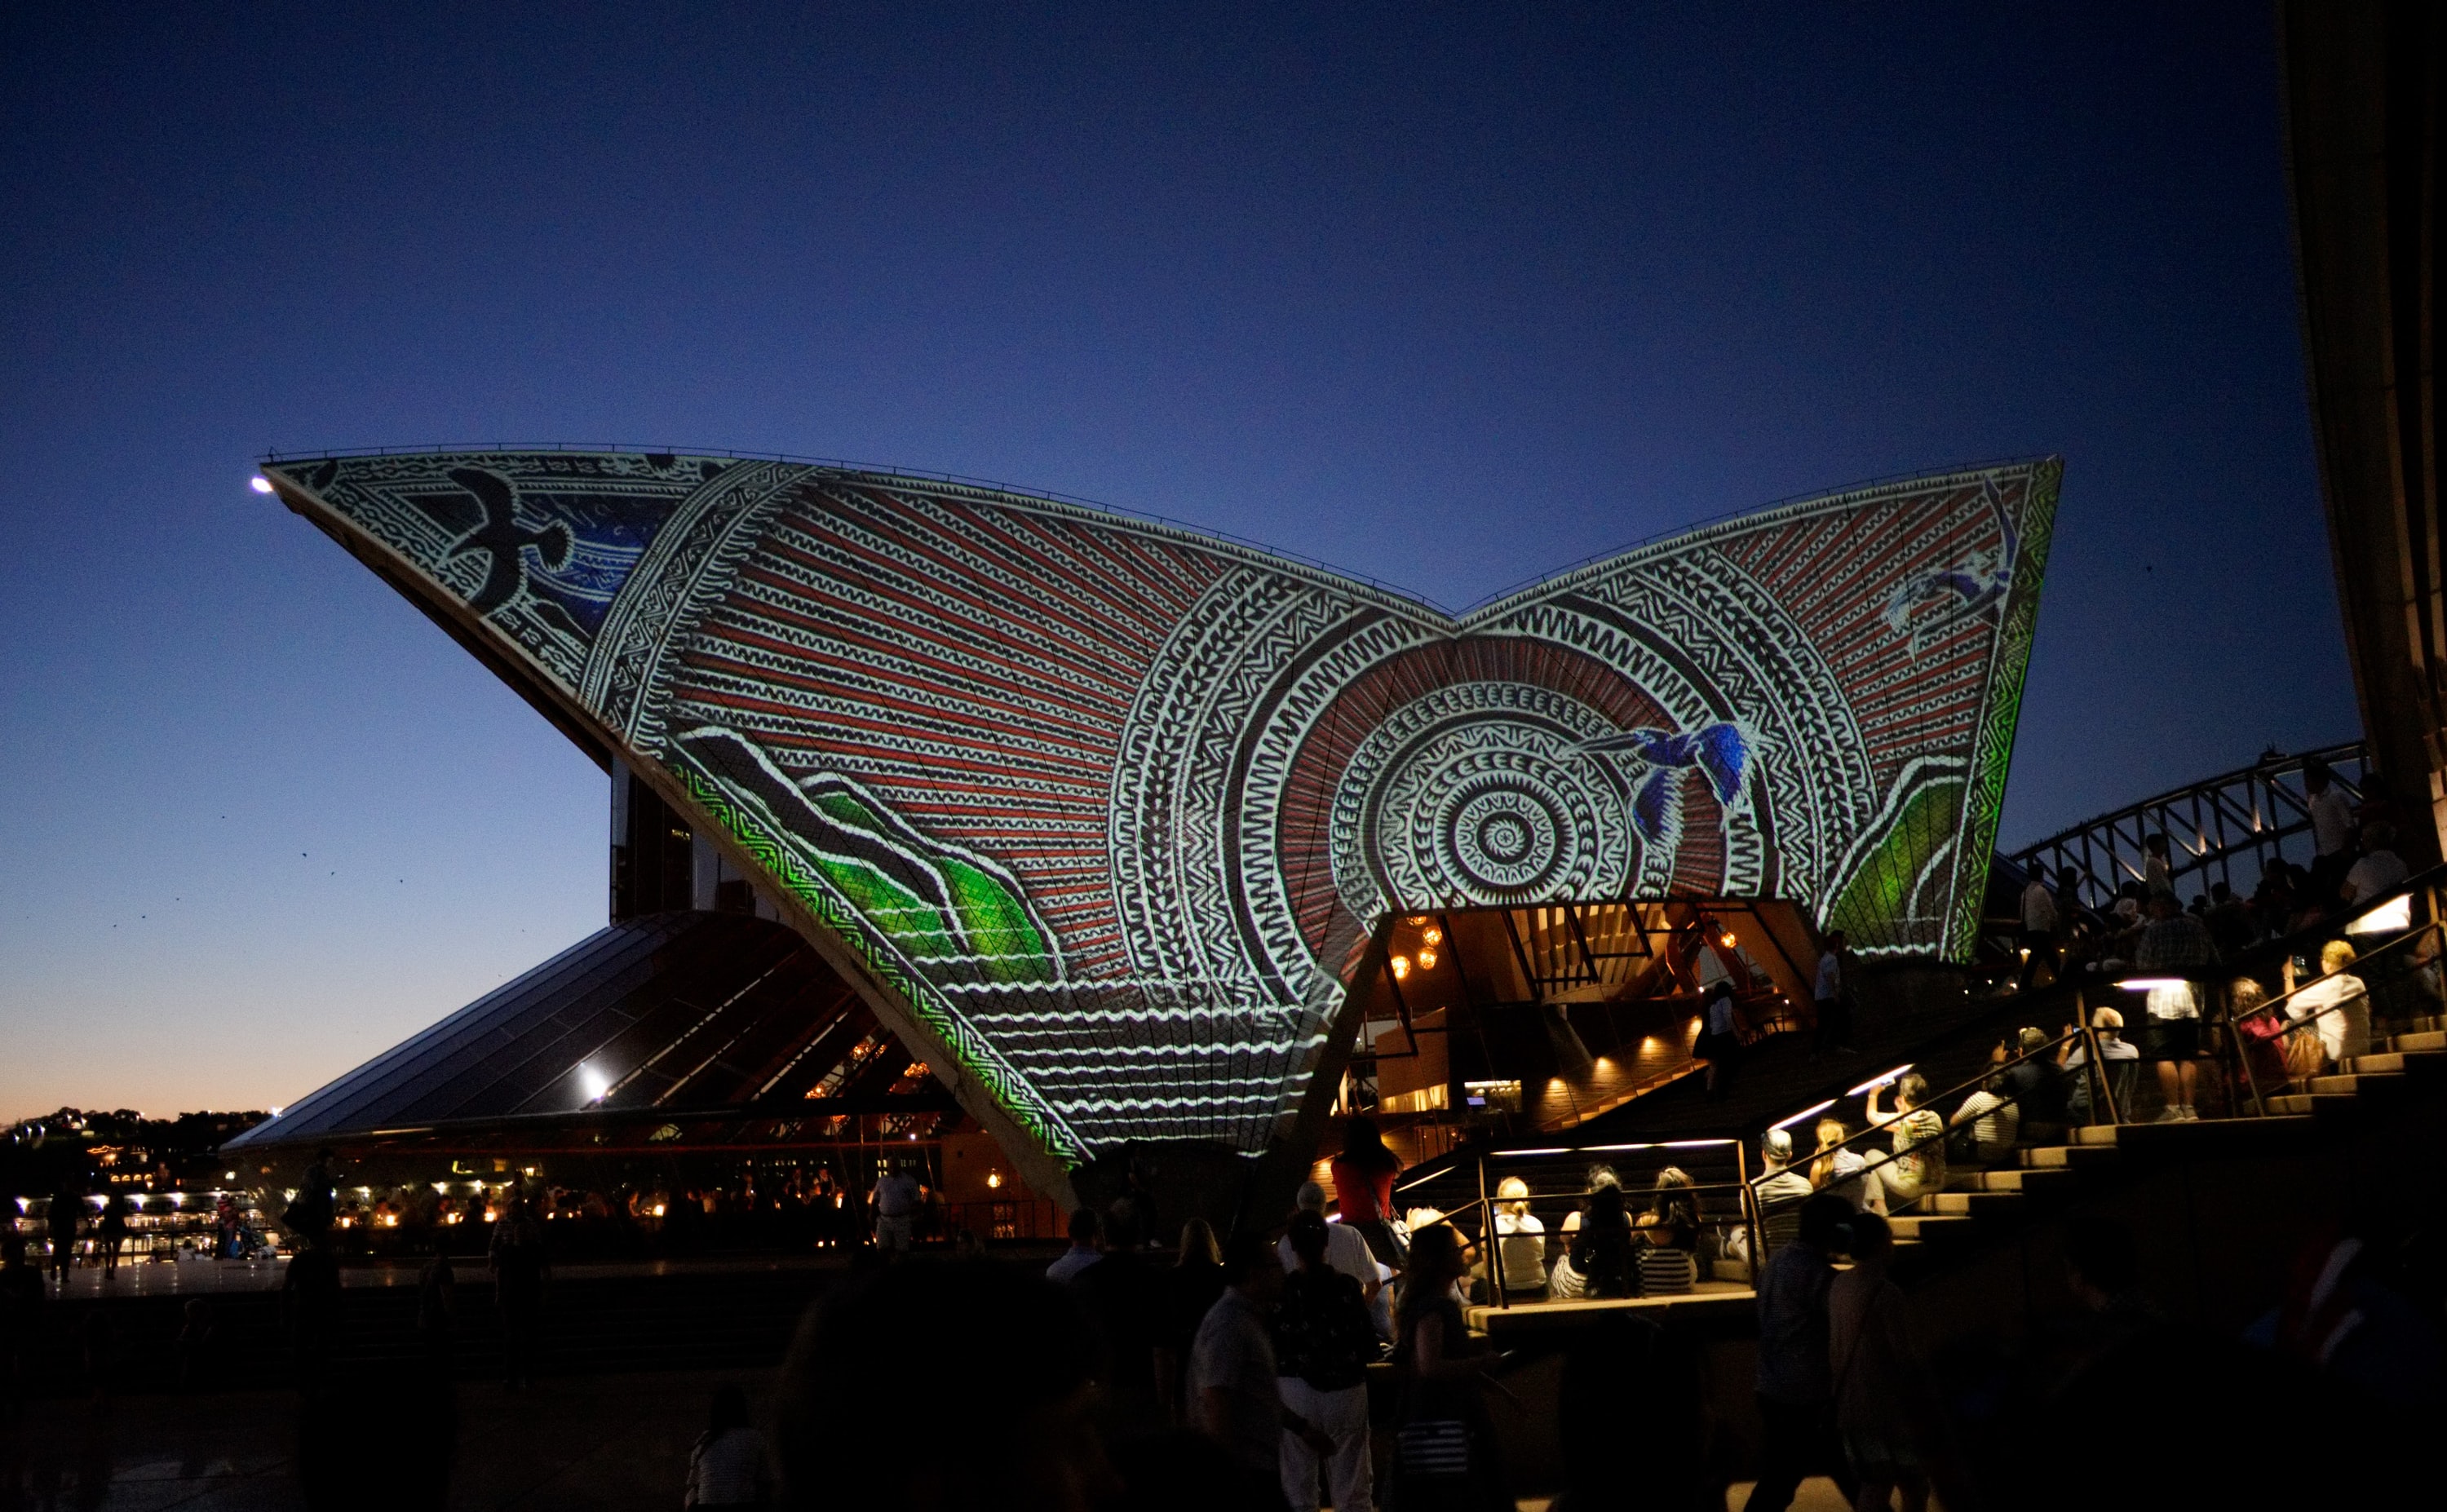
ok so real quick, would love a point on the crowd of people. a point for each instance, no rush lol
(2354, 863)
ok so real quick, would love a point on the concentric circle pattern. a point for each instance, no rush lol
(1480, 796)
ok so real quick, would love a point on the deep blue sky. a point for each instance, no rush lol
(1451, 295)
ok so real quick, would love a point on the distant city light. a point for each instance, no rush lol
(260, 484)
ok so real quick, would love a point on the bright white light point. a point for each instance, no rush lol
(260, 484)
(593, 1083)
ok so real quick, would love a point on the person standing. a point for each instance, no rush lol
(1444, 1447)
(22, 1298)
(1190, 1289)
(64, 1217)
(898, 1201)
(1234, 1395)
(1832, 999)
(2041, 923)
(1325, 1344)
(1127, 1299)
(2175, 945)
(1885, 1408)
(1364, 1187)
(112, 1232)
(1797, 1390)
(1720, 1035)
(520, 1274)
(2332, 830)
(437, 1317)
(310, 1309)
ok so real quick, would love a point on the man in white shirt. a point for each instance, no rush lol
(2040, 924)
(2332, 829)
(897, 1201)
(2380, 869)
(1780, 1192)
(1345, 1251)
(1234, 1397)
(1085, 1232)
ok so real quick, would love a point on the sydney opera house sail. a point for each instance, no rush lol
(1101, 813)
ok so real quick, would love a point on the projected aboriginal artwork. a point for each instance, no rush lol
(1105, 807)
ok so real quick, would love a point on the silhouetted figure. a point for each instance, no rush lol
(437, 1317)
(64, 1219)
(1444, 1451)
(517, 1258)
(957, 1387)
(1235, 1393)
(730, 1465)
(310, 1310)
(22, 1295)
(198, 1342)
(1885, 1401)
(1325, 1344)
(111, 1233)
(1126, 1298)
(1797, 1390)
(1832, 993)
(1191, 1286)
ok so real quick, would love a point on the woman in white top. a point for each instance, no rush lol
(1521, 1238)
(2341, 1002)
(729, 1467)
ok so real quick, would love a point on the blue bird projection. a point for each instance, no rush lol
(1928, 605)
(1721, 751)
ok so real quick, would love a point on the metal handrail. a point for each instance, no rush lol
(1741, 1184)
(2095, 1069)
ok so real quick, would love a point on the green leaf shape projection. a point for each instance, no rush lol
(953, 912)
(1882, 890)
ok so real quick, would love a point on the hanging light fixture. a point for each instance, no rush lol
(1401, 967)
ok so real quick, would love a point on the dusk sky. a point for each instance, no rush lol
(1450, 297)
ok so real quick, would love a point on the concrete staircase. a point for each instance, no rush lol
(1981, 1205)
(2418, 1046)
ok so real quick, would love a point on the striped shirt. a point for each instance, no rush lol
(1665, 1271)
